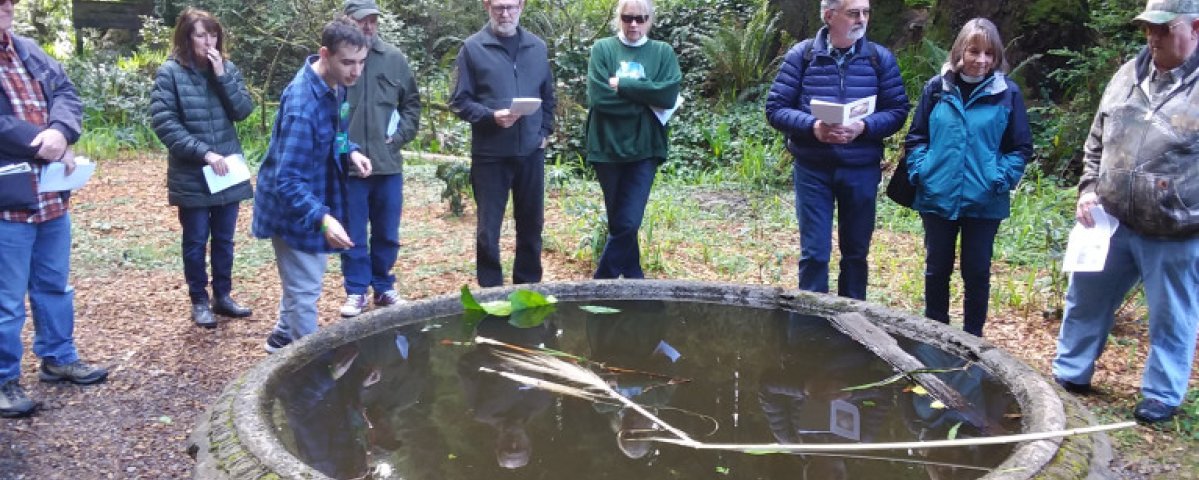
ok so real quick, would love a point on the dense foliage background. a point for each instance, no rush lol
(729, 50)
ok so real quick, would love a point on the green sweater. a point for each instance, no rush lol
(621, 127)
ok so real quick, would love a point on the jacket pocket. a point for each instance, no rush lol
(389, 91)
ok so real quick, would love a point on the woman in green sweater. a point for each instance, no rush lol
(632, 82)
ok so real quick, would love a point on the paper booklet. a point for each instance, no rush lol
(238, 173)
(54, 176)
(842, 113)
(525, 105)
(1086, 251)
(664, 114)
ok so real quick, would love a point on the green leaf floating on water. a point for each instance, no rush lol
(598, 309)
(526, 307)
(953, 431)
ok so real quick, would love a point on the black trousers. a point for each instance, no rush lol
(492, 178)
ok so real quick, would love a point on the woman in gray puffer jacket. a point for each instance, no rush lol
(197, 96)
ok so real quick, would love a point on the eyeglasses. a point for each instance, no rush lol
(857, 13)
(634, 18)
(501, 9)
(1160, 30)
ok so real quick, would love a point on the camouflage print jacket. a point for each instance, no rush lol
(1142, 156)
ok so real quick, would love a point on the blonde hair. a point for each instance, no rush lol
(648, 5)
(977, 30)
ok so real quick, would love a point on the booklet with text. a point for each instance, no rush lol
(525, 105)
(842, 113)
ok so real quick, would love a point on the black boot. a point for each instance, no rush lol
(202, 315)
(224, 305)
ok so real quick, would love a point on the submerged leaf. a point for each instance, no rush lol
(599, 309)
(953, 431)
(530, 317)
(722, 470)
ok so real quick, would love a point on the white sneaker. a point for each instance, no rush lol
(354, 305)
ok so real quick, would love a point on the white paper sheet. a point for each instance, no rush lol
(238, 173)
(525, 105)
(54, 176)
(1087, 248)
(842, 113)
(664, 114)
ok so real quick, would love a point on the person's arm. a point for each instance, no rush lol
(548, 103)
(917, 140)
(237, 100)
(66, 111)
(409, 103)
(601, 97)
(16, 135)
(660, 92)
(297, 160)
(464, 102)
(1016, 146)
(165, 105)
(891, 104)
(783, 102)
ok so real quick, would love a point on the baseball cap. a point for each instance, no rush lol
(1163, 11)
(359, 9)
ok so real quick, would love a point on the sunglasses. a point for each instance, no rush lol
(642, 19)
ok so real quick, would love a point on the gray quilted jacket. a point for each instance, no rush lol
(192, 113)
(1142, 156)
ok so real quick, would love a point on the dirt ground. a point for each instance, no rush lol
(133, 317)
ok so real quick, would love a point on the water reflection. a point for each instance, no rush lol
(753, 376)
(503, 404)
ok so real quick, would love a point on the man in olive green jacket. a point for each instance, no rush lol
(384, 115)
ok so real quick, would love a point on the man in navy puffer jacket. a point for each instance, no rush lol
(837, 163)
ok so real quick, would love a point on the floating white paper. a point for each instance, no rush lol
(525, 105)
(842, 113)
(238, 173)
(1087, 248)
(54, 176)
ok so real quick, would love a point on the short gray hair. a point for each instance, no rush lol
(647, 4)
(826, 5)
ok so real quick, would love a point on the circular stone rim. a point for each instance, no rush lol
(250, 404)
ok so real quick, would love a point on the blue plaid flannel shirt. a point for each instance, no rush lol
(302, 177)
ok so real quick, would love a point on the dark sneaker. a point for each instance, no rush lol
(388, 298)
(78, 373)
(13, 401)
(276, 341)
(202, 315)
(1075, 388)
(354, 305)
(225, 305)
(1153, 411)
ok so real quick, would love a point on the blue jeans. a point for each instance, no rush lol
(1170, 271)
(35, 259)
(199, 224)
(492, 179)
(940, 242)
(300, 275)
(626, 189)
(379, 200)
(853, 189)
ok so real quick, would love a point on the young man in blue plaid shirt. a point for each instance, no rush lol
(301, 199)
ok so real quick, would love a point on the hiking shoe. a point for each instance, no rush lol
(13, 401)
(388, 298)
(276, 341)
(354, 305)
(76, 372)
(1075, 388)
(1153, 411)
(226, 306)
(202, 315)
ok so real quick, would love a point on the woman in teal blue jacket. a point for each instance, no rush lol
(967, 147)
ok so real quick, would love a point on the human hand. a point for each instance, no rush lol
(361, 163)
(68, 161)
(335, 234)
(50, 145)
(825, 133)
(1082, 211)
(505, 118)
(851, 131)
(217, 61)
(217, 162)
(614, 83)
